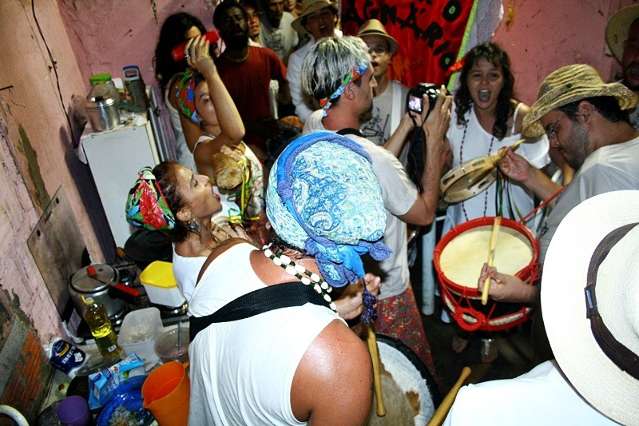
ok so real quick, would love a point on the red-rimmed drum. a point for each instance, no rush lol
(409, 392)
(459, 257)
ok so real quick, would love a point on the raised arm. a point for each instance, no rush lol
(229, 120)
(517, 168)
(437, 152)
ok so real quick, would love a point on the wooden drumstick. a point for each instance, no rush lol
(380, 410)
(501, 153)
(440, 414)
(491, 257)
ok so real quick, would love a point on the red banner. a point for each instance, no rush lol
(429, 33)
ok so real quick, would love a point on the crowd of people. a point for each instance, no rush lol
(288, 245)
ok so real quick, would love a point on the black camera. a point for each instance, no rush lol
(414, 98)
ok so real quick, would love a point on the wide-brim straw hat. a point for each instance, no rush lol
(618, 27)
(309, 7)
(573, 251)
(569, 84)
(374, 27)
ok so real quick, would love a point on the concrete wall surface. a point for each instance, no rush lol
(109, 34)
(542, 35)
(35, 148)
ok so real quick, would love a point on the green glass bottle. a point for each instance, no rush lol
(102, 330)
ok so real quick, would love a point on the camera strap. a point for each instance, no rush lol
(350, 131)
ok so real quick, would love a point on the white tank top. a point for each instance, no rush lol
(516, 198)
(186, 270)
(242, 371)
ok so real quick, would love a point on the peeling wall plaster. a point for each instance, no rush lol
(541, 36)
(109, 34)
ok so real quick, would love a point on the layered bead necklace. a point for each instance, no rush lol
(301, 273)
(461, 161)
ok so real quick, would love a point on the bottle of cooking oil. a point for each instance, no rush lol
(102, 330)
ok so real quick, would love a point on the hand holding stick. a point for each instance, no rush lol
(491, 257)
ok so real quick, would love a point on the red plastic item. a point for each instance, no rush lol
(91, 272)
(178, 52)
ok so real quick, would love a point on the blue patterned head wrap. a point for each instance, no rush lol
(323, 197)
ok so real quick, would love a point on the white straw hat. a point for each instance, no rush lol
(597, 370)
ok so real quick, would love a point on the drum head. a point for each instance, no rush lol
(462, 258)
(409, 392)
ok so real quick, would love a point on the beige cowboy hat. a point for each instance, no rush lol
(308, 8)
(618, 27)
(568, 84)
(373, 27)
(601, 231)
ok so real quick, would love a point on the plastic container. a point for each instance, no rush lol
(160, 285)
(166, 394)
(101, 328)
(170, 346)
(138, 333)
(73, 411)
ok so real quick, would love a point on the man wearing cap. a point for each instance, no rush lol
(586, 120)
(389, 101)
(590, 304)
(337, 72)
(622, 37)
(318, 18)
(277, 32)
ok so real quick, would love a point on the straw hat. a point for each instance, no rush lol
(617, 29)
(576, 249)
(373, 27)
(308, 8)
(569, 84)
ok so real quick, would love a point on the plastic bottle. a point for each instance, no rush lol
(102, 330)
(179, 51)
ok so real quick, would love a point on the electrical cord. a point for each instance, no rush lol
(55, 70)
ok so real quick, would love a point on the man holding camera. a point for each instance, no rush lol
(338, 73)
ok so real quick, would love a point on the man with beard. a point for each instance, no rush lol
(337, 73)
(318, 18)
(586, 120)
(277, 31)
(622, 36)
(246, 72)
(390, 96)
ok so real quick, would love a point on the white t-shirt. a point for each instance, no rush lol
(399, 194)
(540, 397)
(476, 143)
(383, 123)
(609, 168)
(242, 371)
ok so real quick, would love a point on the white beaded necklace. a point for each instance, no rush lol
(300, 272)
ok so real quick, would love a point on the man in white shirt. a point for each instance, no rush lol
(337, 72)
(390, 96)
(319, 19)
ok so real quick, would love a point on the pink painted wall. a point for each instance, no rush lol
(34, 104)
(109, 34)
(541, 36)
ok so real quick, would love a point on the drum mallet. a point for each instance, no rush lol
(491, 258)
(380, 410)
(440, 414)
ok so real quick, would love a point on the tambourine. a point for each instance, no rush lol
(473, 176)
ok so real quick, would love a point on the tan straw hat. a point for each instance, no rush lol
(373, 27)
(590, 302)
(618, 27)
(569, 84)
(308, 8)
